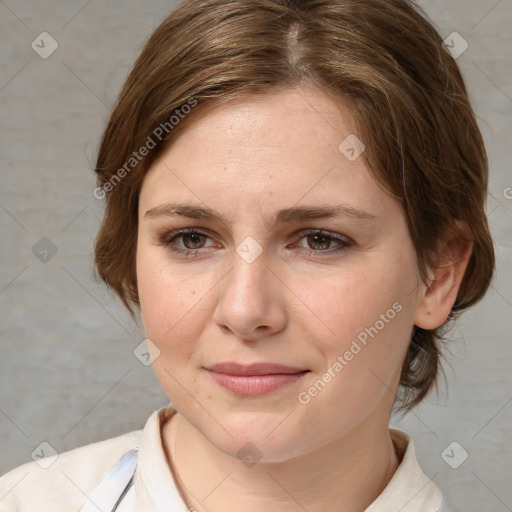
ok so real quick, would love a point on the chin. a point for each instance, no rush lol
(251, 449)
(255, 435)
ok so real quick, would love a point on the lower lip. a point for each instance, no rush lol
(255, 385)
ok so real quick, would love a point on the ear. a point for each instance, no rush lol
(444, 281)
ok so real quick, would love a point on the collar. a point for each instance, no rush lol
(409, 490)
(154, 482)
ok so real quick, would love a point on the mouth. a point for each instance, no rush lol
(254, 379)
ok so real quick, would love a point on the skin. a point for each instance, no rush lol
(247, 160)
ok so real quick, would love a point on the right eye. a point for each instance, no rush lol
(192, 239)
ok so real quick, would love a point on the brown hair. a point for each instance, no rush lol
(381, 57)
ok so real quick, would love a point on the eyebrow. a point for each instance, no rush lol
(286, 215)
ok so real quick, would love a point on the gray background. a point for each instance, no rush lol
(68, 375)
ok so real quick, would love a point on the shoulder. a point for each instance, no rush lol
(61, 482)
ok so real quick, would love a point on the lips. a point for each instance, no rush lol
(254, 379)
(255, 369)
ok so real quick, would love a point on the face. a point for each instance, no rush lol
(241, 273)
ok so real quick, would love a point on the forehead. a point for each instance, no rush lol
(287, 147)
(277, 119)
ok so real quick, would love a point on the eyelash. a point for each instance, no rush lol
(168, 238)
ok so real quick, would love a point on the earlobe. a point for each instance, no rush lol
(445, 281)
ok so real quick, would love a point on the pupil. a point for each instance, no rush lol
(317, 239)
(195, 238)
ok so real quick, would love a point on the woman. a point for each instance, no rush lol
(295, 201)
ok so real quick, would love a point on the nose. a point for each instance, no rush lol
(251, 299)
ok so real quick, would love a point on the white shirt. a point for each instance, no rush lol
(70, 482)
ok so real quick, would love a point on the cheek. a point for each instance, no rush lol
(170, 304)
(365, 330)
(362, 354)
(363, 302)
(173, 315)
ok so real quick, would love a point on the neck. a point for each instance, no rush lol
(347, 474)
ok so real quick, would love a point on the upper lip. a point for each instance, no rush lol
(254, 369)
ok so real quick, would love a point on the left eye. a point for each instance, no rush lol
(323, 240)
